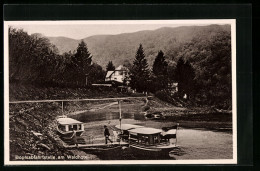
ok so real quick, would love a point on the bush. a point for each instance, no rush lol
(164, 96)
(146, 108)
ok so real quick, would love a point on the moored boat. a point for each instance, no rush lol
(65, 127)
(155, 115)
(149, 141)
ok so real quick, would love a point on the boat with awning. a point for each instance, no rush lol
(65, 127)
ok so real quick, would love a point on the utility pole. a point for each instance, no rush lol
(62, 107)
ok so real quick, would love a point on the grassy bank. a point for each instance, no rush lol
(30, 92)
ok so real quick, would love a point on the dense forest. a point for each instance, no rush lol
(198, 58)
(34, 60)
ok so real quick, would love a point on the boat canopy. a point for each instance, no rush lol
(145, 131)
(171, 131)
(68, 121)
(128, 126)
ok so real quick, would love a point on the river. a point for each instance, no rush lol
(193, 143)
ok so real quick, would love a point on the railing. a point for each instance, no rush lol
(76, 100)
(66, 100)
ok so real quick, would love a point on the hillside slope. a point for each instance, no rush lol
(121, 47)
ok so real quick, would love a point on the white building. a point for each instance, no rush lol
(118, 75)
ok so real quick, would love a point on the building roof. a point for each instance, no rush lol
(119, 68)
(145, 130)
(68, 121)
(128, 126)
(109, 73)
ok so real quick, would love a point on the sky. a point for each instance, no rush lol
(83, 29)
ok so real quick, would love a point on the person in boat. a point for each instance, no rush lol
(107, 134)
(74, 138)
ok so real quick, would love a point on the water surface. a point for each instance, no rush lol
(194, 143)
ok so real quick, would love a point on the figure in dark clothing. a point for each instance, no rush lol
(74, 138)
(107, 134)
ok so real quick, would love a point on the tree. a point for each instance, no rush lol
(160, 65)
(160, 79)
(185, 75)
(33, 59)
(217, 71)
(211, 58)
(110, 66)
(81, 62)
(139, 72)
(67, 69)
(96, 74)
(127, 64)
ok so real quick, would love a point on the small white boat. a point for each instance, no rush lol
(66, 126)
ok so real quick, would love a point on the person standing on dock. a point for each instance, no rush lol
(107, 134)
(74, 138)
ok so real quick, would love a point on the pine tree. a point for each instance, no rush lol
(110, 66)
(160, 78)
(139, 71)
(81, 63)
(185, 74)
(160, 65)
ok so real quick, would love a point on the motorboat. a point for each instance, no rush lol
(149, 140)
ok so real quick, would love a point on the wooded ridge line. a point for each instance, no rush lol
(66, 100)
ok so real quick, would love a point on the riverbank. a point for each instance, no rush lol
(19, 92)
(32, 131)
(193, 117)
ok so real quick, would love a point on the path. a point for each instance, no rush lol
(66, 100)
(95, 109)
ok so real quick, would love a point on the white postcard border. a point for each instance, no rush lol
(7, 161)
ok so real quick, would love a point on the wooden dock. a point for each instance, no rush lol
(99, 145)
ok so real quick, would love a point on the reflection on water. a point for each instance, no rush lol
(91, 116)
(97, 116)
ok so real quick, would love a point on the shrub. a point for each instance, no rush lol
(164, 96)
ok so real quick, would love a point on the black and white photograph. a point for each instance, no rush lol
(120, 92)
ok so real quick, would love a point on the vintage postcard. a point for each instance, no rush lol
(120, 92)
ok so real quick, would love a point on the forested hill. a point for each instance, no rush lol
(121, 47)
(197, 57)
